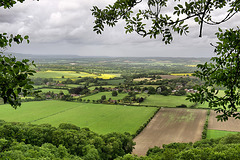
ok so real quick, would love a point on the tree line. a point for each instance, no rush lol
(65, 141)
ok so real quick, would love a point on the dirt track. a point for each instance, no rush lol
(171, 125)
(230, 125)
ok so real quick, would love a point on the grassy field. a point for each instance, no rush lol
(166, 101)
(70, 74)
(113, 81)
(218, 133)
(39, 86)
(98, 117)
(107, 94)
(45, 90)
(155, 86)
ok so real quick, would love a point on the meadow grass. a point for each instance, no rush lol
(113, 81)
(100, 118)
(154, 86)
(57, 91)
(107, 94)
(218, 133)
(166, 101)
(39, 86)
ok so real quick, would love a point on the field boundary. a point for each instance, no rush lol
(205, 128)
(142, 127)
(52, 114)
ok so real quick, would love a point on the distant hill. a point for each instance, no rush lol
(104, 59)
(42, 57)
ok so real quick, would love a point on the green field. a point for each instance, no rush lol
(45, 90)
(154, 86)
(166, 101)
(98, 117)
(218, 133)
(107, 94)
(39, 86)
(113, 81)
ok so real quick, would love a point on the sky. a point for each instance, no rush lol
(65, 27)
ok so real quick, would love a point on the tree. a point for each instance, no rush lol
(166, 92)
(14, 74)
(181, 92)
(201, 11)
(103, 97)
(223, 71)
(151, 90)
(79, 90)
(14, 79)
(114, 93)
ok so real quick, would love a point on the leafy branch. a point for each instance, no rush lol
(161, 24)
(223, 71)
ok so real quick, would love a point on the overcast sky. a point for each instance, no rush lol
(65, 27)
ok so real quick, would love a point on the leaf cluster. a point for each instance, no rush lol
(222, 71)
(15, 79)
(14, 75)
(153, 21)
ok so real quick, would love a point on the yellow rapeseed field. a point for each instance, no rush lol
(191, 65)
(71, 74)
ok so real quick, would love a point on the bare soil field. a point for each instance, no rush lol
(230, 125)
(171, 125)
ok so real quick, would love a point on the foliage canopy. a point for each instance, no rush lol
(14, 75)
(152, 18)
(223, 71)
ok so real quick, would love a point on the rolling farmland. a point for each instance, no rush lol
(98, 117)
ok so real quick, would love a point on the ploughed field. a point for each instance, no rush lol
(171, 125)
(218, 129)
(100, 118)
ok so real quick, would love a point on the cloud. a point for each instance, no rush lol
(65, 26)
